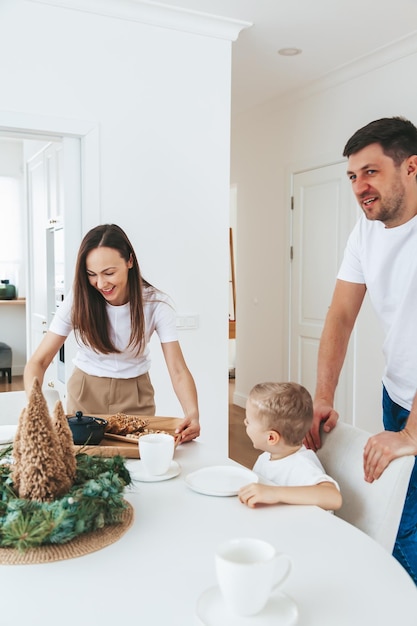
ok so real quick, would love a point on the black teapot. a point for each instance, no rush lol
(87, 430)
(7, 291)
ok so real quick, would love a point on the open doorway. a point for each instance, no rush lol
(13, 253)
(232, 282)
(240, 446)
(80, 191)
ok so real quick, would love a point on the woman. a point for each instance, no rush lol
(113, 312)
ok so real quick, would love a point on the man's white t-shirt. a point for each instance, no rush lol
(160, 317)
(385, 260)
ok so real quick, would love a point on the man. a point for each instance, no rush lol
(381, 257)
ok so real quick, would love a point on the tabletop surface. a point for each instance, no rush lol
(155, 574)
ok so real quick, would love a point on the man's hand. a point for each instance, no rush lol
(323, 412)
(382, 448)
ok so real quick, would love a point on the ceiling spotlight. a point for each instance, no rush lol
(289, 52)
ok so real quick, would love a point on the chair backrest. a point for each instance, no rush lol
(375, 508)
(12, 403)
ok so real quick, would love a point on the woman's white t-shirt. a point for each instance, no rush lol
(160, 317)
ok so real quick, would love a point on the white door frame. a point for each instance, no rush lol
(30, 126)
(36, 127)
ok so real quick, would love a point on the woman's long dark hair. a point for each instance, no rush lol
(89, 316)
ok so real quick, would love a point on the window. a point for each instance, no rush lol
(11, 229)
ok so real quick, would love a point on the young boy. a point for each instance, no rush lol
(278, 416)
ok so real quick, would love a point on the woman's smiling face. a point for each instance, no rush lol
(108, 272)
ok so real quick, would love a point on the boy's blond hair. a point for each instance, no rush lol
(284, 407)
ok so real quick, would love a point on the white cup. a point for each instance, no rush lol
(248, 570)
(156, 452)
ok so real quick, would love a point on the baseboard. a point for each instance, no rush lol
(17, 370)
(239, 399)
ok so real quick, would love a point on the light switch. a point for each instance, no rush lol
(187, 322)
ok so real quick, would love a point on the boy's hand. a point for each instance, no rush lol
(256, 493)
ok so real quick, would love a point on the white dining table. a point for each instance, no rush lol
(156, 572)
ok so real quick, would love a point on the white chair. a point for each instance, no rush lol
(375, 508)
(12, 403)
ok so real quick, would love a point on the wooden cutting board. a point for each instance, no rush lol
(113, 445)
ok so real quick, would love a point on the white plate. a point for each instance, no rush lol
(7, 433)
(220, 480)
(138, 472)
(212, 611)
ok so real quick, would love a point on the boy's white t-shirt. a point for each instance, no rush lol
(301, 468)
(385, 260)
(160, 317)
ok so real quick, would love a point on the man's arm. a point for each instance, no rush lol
(343, 311)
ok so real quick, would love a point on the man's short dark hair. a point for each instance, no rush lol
(396, 135)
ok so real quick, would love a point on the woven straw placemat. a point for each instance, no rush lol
(84, 544)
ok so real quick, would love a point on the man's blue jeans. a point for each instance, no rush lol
(405, 549)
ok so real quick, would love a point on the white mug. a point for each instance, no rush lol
(156, 452)
(247, 572)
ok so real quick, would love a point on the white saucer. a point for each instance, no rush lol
(7, 433)
(212, 611)
(220, 480)
(139, 473)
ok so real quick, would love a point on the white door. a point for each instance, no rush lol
(54, 232)
(38, 298)
(324, 211)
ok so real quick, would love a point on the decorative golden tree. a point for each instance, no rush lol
(40, 472)
(16, 452)
(50, 494)
(62, 429)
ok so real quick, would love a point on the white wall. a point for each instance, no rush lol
(258, 172)
(267, 145)
(161, 101)
(11, 158)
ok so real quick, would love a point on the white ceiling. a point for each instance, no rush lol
(331, 34)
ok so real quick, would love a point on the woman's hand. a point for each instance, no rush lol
(185, 390)
(188, 430)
